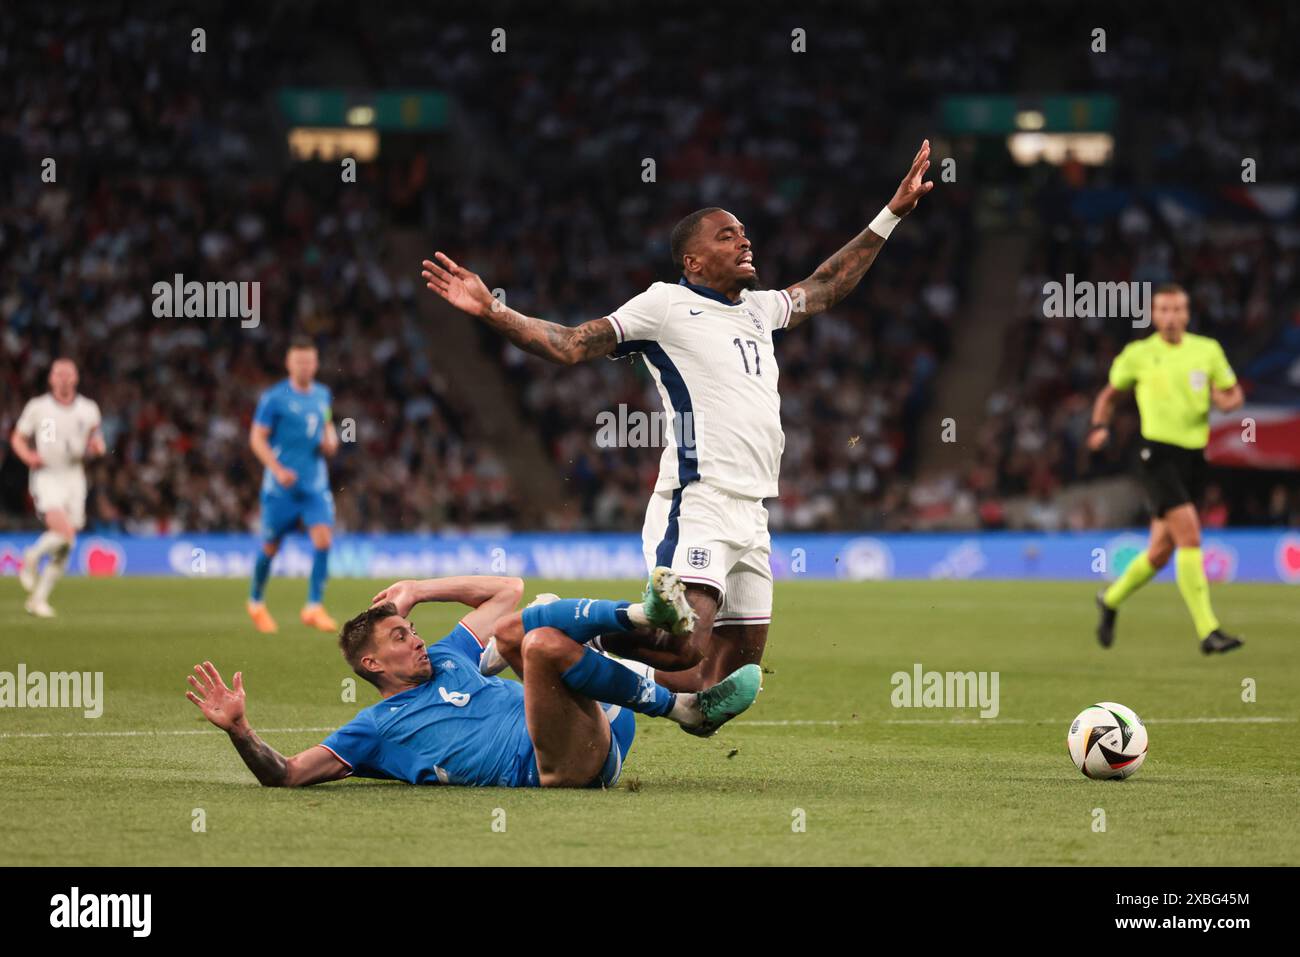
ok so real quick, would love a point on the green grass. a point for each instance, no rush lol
(874, 791)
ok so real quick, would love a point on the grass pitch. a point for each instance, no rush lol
(872, 784)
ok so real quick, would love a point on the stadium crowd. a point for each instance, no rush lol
(804, 175)
(158, 175)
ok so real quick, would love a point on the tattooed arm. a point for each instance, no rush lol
(840, 275)
(562, 344)
(224, 707)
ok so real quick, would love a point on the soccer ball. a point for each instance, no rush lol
(1107, 740)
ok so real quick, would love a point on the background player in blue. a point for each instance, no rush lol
(440, 720)
(291, 436)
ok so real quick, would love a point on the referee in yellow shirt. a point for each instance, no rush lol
(1176, 376)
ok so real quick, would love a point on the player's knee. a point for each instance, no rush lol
(270, 548)
(1159, 555)
(549, 645)
(322, 537)
(509, 632)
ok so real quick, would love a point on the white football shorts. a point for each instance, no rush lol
(61, 490)
(709, 537)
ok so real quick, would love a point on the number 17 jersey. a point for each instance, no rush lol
(713, 364)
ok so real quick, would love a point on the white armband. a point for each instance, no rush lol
(884, 223)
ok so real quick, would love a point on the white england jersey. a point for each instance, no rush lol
(713, 364)
(59, 433)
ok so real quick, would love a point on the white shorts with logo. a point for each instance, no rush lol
(709, 537)
(61, 490)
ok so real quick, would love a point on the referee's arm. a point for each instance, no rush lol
(1225, 400)
(1102, 407)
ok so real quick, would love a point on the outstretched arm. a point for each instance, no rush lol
(840, 275)
(224, 707)
(565, 345)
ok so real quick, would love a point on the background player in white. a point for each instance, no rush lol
(707, 342)
(54, 435)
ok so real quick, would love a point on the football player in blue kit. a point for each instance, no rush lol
(291, 435)
(444, 718)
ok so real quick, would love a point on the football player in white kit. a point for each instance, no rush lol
(707, 342)
(54, 435)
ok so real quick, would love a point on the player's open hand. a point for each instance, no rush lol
(405, 595)
(96, 447)
(223, 706)
(914, 184)
(458, 285)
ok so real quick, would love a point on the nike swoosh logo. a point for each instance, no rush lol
(696, 312)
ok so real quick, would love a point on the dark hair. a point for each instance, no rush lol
(357, 637)
(301, 342)
(1167, 288)
(685, 231)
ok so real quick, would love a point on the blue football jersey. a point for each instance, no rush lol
(297, 422)
(459, 727)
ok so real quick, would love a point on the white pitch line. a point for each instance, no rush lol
(792, 723)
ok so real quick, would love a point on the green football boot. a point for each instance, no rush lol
(665, 603)
(729, 697)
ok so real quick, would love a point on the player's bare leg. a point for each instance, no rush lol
(313, 613)
(1160, 547)
(570, 733)
(730, 647)
(56, 545)
(675, 660)
(1185, 529)
(262, 619)
(590, 674)
(666, 618)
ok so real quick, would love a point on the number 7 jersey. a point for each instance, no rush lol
(297, 423)
(713, 364)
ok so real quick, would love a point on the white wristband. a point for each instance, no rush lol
(884, 223)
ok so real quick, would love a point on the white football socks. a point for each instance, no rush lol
(47, 544)
(683, 710)
(51, 573)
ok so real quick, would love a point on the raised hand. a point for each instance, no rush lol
(914, 185)
(458, 285)
(404, 595)
(223, 706)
